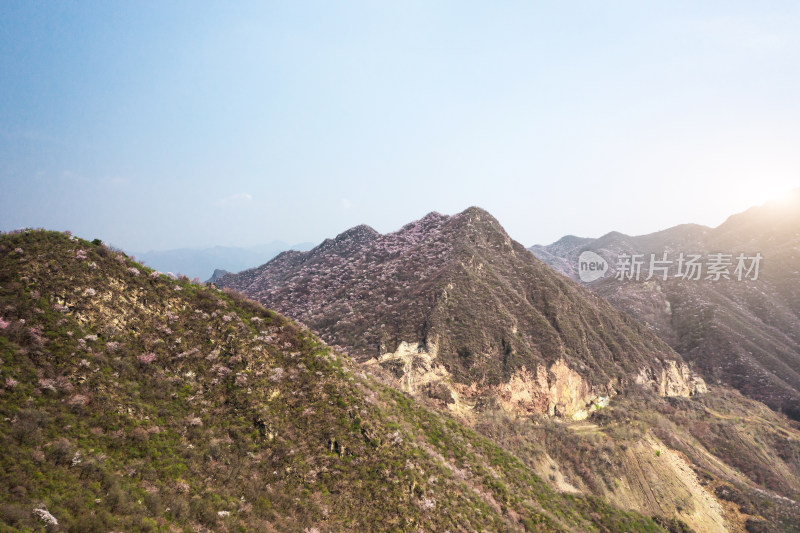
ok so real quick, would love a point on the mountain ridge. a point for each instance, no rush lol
(517, 330)
(742, 333)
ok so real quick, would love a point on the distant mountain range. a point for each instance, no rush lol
(201, 263)
(745, 333)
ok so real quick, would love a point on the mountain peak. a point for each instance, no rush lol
(477, 214)
(462, 291)
(361, 233)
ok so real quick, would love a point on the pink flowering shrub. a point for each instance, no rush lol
(147, 358)
(78, 400)
(36, 335)
(45, 516)
(4, 323)
(133, 270)
(80, 254)
(47, 384)
(222, 371)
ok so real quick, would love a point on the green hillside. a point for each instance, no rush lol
(132, 401)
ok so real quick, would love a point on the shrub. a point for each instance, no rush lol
(147, 358)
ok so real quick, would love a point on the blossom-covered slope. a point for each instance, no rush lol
(131, 401)
(457, 310)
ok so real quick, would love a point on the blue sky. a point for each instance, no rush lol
(155, 125)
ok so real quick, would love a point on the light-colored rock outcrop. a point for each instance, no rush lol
(555, 391)
(675, 379)
(414, 369)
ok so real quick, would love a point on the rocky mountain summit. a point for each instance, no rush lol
(744, 333)
(456, 310)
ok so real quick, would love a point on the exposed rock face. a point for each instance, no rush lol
(740, 333)
(414, 368)
(559, 391)
(675, 379)
(456, 310)
(554, 391)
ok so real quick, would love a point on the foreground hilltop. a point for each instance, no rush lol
(457, 310)
(745, 334)
(134, 401)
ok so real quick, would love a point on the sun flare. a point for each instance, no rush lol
(772, 195)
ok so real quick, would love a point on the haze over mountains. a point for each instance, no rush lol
(742, 333)
(201, 263)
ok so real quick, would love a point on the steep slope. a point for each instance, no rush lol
(742, 333)
(133, 401)
(456, 310)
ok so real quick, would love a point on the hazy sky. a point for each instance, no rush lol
(156, 125)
